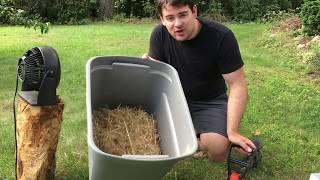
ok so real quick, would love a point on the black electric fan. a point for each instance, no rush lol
(39, 71)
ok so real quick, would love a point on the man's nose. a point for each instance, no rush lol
(178, 22)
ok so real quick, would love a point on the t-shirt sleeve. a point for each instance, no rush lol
(229, 57)
(156, 44)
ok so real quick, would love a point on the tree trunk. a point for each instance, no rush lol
(105, 9)
(38, 129)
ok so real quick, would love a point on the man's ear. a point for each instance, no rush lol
(162, 21)
(195, 10)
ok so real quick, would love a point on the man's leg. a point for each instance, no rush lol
(216, 146)
(210, 122)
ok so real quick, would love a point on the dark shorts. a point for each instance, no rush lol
(209, 116)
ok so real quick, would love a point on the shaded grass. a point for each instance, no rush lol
(283, 105)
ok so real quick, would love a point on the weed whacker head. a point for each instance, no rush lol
(239, 164)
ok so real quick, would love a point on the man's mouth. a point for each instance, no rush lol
(179, 32)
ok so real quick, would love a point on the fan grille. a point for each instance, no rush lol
(31, 68)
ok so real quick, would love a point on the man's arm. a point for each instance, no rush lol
(236, 106)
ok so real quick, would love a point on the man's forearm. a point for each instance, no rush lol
(236, 106)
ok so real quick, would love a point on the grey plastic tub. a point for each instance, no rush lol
(154, 86)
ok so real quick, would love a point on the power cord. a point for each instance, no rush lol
(15, 124)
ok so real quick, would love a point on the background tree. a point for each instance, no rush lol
(105, 9)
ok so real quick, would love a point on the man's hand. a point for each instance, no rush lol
(145, 56)
(245, 143)
(236, 106)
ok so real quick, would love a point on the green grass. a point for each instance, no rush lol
(283, 106)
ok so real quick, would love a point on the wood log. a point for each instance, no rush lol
(38, 129)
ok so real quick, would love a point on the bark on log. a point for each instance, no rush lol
(38, 129)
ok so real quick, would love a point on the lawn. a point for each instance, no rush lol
(283, 107)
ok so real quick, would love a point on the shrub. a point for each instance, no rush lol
(60, 11)
(296, 3)
(284, 4)
(275, 16)
(71, 12)
(12, 16)
(266, 6)
(136, 8)
(215, 11)
(246, 10)
(313, 57)
(310, 15)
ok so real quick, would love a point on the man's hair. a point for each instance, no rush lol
(162, 3)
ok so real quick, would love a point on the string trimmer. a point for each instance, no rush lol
(239, 164)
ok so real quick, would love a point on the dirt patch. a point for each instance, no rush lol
(125, 130)
(39, 37)
(305, 40)
(314, 74)
(290, 24)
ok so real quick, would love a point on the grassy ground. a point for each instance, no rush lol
(283, 108)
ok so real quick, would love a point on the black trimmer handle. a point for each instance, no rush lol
(248, 163)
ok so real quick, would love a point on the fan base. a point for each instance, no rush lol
(31, 97)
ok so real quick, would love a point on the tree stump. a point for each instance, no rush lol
(38, 129)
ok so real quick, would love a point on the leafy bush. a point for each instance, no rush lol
(71, 12)
(11, 16)
(275, 16)
(136, 8)
(310, 15)
(296, 3)
(313, 57)
(60, 11)
(246, 10)
(284, 4)
(215, 11)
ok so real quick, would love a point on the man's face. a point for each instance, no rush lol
(180, 21)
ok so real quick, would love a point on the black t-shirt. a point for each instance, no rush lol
(201, 61)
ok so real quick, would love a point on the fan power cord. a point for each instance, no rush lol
(15, 125)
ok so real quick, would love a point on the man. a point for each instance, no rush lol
(207, 57)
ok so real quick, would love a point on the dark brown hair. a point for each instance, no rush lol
(162, 3)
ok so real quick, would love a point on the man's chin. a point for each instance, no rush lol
(180, 38)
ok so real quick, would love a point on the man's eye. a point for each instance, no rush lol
(170, 18)
(183, 15)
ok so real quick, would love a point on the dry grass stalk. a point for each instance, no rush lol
(292, 23)
(125, 130)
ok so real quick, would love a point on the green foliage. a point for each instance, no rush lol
(44, 27)
(77, 11)
(275, 16)
(313, 57)
(296, 3)
(246, 10)
(215, 11)
(10, 15)
(284, 4)
(310, 15)
(60, 11)
(72, 12)
(136, 8)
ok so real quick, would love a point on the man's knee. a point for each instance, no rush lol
(215, 145)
